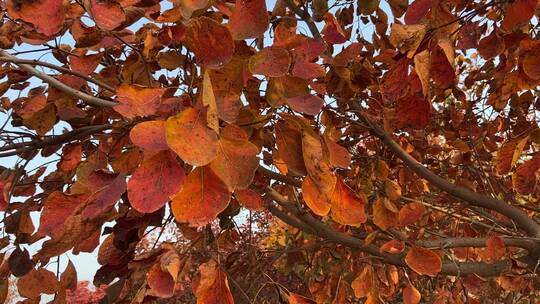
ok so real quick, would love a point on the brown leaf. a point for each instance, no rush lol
(37, 282)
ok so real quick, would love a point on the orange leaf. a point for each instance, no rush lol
(524, 178)
(210, 41)
(188, 135)
(161, 282)
(317, 165)
(509, 153)
(154, 181)
(298, 299)
(423, 261)
(347, 207)
(411, 213)
(271, 62)
(213, 288)
(392, 189)
(108, 15)
(495, 249)
(518, 14)
(382, 217)
(236, 162)
(149, 135)
(227, 85)
(201, 199)
(363, 283)
(317, 201)
(393, 247)
(407, 38)
(249, 19)
(338, 155)
(249, 199)
(46, 15)
(137, 101)
(411, 295)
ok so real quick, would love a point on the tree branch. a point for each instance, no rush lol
(321, 230)
(306, 17)
(18, 61)
(521, 218)
(53, 140)
(91, 100)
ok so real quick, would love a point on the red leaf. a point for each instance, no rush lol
(518, 14)
(491, 46)
(136, 101)
(56, 208)
(308, 70)
(249, 199)
(423, 261)
(201, 199)
(495, 249)
(106, 189)
(71, 157)
(413, 111)
(333, 32)
(271, 61)
(249, 19)
(85, 64)
(46, 15)
(154, 181)
(307, 104)
(417, 11)
(211, 42)
(108, 15)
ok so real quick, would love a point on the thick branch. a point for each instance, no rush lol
(521, 218)
(50, 141)
(58, 68)
(279, 177)
(321, 230)
(92, 100)
(306, 17)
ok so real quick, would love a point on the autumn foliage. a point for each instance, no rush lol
(304, 151)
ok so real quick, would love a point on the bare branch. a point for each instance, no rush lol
(58, 68)
(306, 17)
(91, 100)
(53, 140)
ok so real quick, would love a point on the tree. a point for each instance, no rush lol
(383, 151)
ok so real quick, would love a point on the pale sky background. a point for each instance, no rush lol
(86, 263)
